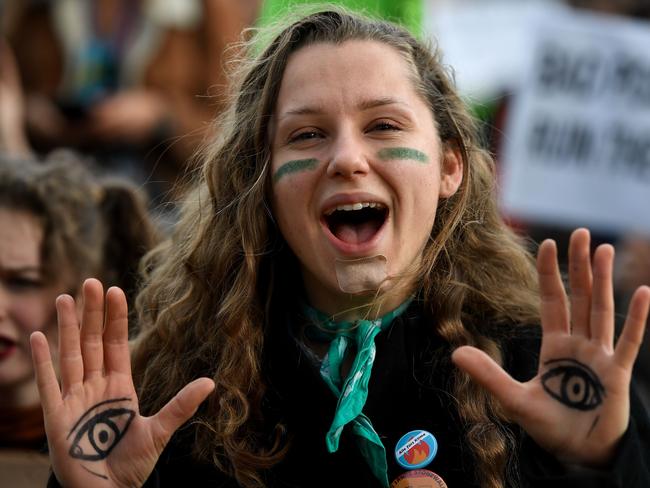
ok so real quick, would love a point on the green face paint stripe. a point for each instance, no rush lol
(293, 167)
(403, 153)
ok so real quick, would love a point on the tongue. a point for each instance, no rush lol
(356, 233)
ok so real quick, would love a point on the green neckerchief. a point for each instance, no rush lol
(353, 391)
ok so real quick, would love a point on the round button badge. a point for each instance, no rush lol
(416, 449)
(418, 478)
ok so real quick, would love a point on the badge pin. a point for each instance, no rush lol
(416, 449)
(418, 478)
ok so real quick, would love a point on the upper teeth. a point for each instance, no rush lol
(355, 206)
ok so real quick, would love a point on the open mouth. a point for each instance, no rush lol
(356, 223)
(6, 347)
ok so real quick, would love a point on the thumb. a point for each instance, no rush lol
(487, 373)
(179, 409)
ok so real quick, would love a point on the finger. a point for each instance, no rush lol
(70, 361)
(179, 409)
(554, 313)
(631, 337)
(48, 386)
(602, 299)
(116, 335)
(580, 280)
(92, 325)
(490, 376)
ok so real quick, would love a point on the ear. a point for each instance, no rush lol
(451, 171)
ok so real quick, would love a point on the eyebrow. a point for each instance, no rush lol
(379, 102)
(363, 105)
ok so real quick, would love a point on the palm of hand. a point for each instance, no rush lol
(577, 406)
(93, 425)
(94, 421)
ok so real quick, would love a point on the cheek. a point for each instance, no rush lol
(35, 313)
(281, 214)
(297, 222)
(424, 186)
(286, 222)
(425, 206)
(291, 203)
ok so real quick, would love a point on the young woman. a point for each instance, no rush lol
(339, 278)
(58, 226)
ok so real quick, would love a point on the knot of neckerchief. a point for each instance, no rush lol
(352, 391)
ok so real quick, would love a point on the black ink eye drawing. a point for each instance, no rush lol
(96, 435)
(573, 383)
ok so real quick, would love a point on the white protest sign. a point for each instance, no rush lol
(577, 142)
(486, 42)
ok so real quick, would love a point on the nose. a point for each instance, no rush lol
(348, 158)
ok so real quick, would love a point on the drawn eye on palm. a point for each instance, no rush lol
(99, 430)
(573, 384)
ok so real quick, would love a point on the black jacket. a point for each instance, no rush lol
(409, 389)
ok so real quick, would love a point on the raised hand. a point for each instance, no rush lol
(577, 407)
(94, 429)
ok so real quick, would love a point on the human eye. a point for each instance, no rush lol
(100, 429)
(384, 125)
(304, 135)
(573, 383)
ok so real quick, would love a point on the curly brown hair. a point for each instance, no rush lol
(92, 226)
(210, 290)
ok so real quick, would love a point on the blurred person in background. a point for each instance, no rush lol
(13, 139)
(59, 224)
(132, 82)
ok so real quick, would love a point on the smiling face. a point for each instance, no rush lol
(26, 305)
(358, 167)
